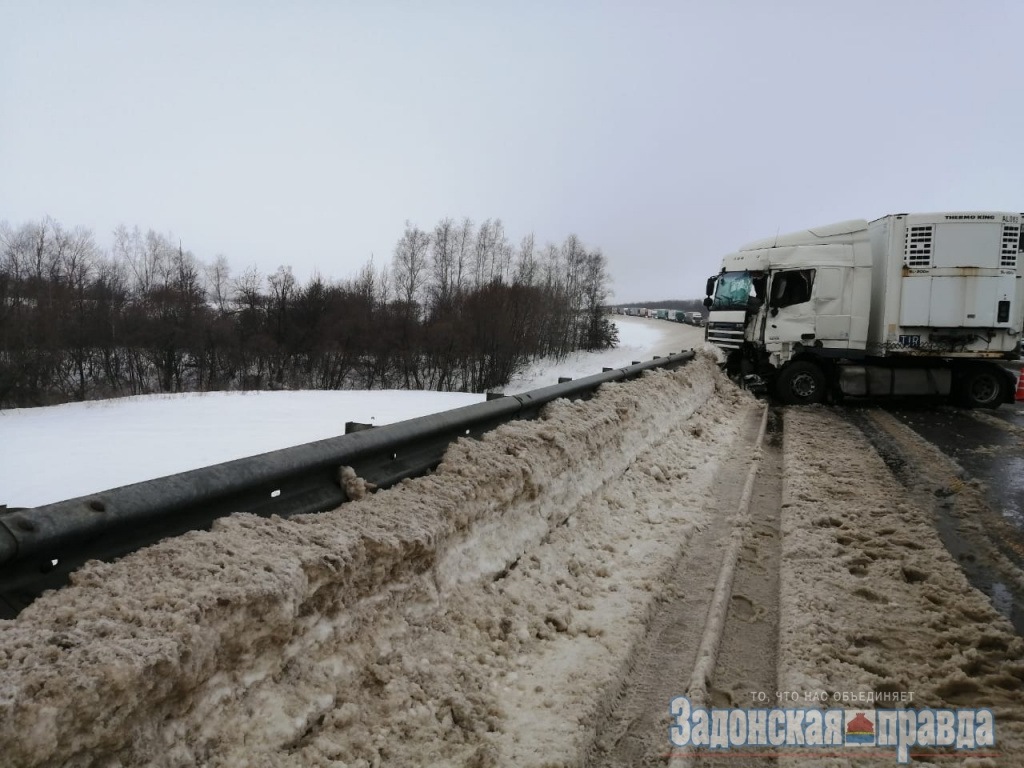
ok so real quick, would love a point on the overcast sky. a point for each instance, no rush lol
(664, 133)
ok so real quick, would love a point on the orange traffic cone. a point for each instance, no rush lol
(1020, 386)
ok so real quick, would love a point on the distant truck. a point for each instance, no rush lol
(908, 304)
(694, 318)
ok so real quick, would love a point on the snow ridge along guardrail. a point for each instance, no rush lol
(40, 547)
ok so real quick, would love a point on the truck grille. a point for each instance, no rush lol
(725, 335)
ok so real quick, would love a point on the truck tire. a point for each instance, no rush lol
(981, 387)
(801, 383)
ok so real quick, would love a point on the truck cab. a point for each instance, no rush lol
(806, 292)
(827, 309)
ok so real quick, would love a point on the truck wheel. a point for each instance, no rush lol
(981, 388)
(801, 383)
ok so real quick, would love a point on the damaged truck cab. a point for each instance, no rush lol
(908, 304)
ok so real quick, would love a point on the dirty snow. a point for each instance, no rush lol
(65, 451)
(471, 617)
(871, 601)
(489, 614)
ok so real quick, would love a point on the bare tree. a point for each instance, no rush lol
(218, 283)
(443, 266)
(130, 248)
(483, 249)
(247, 289)
(526, 262)
(502, 253)
(411, 265)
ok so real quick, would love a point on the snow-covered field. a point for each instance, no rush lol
(65, 451)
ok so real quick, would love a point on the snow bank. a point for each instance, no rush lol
(870, 599)
(392, 629)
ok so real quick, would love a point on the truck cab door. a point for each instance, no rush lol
(791, 316)
(832, 311)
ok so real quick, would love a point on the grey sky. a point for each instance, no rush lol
(306, 133)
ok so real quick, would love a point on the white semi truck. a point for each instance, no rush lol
(908, 304)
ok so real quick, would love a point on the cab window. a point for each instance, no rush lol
(789, 288)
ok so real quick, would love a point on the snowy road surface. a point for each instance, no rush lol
(538, 600)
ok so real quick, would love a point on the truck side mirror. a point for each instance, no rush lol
(708, 302)
(709, 288)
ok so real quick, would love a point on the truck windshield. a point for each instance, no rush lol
(735, 289)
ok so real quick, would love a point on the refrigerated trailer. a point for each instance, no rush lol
(908, 304)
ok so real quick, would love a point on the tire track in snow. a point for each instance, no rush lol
(636, 731)
(871, 601)
(748, 659)
(988, 546)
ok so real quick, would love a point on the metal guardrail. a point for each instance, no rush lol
(40, 547)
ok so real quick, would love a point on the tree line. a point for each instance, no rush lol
(458, 308)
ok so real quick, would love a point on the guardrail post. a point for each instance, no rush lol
(495, 395)
(564, 379)
(355, 426)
